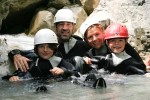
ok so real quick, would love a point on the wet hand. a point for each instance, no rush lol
(14, 78)
(87, 60)
(21, 62)
(56, 71)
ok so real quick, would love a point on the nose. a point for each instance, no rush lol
(116, 42)
(46, 48)
(65, 26)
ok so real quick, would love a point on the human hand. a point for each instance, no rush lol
(87, 60)
(56, 71)
(21, 62)
(14, 78)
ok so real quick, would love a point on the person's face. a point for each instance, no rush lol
(64, 30)
(45, 51)
(116, 45)
(95, 37)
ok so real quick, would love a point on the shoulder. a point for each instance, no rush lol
(128, 47)
(77, 37)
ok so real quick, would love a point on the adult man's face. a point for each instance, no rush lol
(64, 30)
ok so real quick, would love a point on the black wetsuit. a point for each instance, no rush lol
(128, 66)
(78, 48)
(40, 68)
(135, 61)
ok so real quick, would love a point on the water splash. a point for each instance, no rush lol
(10, 42)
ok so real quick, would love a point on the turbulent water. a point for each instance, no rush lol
(10, 42)
(119, 87)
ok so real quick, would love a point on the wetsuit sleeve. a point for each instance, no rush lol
(26, 53)
(130, 67)
(16, 73)
(132, 52)
(68, 68)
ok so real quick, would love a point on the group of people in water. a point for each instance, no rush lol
(62, 54)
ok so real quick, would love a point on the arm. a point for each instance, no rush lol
(132, 52)
(26, 53)
(20, 58)
(132, 67)
(15, 76)
(68, 69)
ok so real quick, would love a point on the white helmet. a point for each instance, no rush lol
(64, 15)
(85, 25)
(45, 36)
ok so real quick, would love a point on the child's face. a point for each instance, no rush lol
(45, 51)
(116, 45)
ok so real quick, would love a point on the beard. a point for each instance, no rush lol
(65, 39)
(64, 35)
(62, 39)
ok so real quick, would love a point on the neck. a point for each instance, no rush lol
(101, 50)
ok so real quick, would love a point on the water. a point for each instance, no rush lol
(131, 88)
(119, 87)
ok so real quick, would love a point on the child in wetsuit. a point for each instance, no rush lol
(116, 36)
(45, 64)
(94, 34)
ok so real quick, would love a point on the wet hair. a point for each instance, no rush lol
(53, 46)
(93, 26)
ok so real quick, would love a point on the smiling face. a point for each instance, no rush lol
(95, 36)
(45, 51)
(64, 30)
(117, 45)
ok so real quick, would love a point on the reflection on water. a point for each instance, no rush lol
(119, 87)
